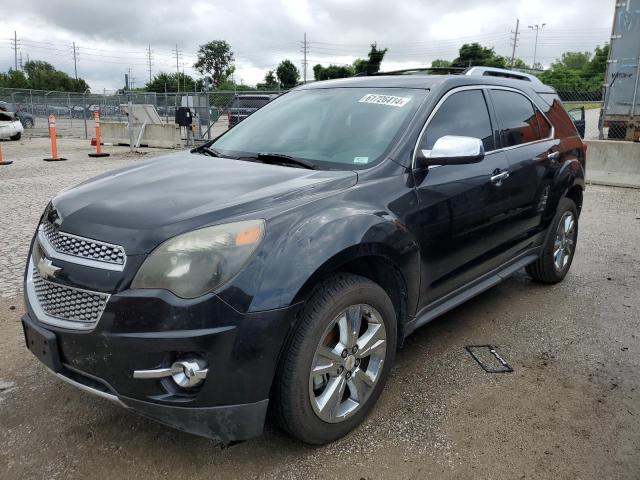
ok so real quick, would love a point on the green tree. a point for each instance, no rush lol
(519, 63)
(440, 63)
(216, 59)
(597, 67)
(43, 76)
(472, 54)
(372, 64)
(332, 71)
(287, 74)
(173, 82)
(13, 79)
(575, 60)
(270, 82)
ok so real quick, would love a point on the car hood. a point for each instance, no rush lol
(142, 205)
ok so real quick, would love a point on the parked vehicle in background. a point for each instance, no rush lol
(621, 110)
(245, 104)
(579, 120)
(26, 119)
(10, 126)
(300, 248)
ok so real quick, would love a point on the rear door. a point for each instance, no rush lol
(462, 208)
(527, 138)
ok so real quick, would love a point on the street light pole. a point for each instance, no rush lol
(537, 28)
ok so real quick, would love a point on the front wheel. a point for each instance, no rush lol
(337, 361)
(560, 246)
(17, 136)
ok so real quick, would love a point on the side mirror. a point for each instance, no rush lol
(452, 150)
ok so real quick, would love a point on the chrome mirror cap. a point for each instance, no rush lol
(453, 150)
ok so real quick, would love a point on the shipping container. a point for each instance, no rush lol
(621, 109)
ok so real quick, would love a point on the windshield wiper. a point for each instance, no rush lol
(282, 159)
(210, 151)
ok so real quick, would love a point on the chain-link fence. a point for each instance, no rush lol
(213, 112)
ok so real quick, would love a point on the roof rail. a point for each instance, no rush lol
(417, 71)
(501, 72)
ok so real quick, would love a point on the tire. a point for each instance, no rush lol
(17, 136)
(551, 267)
(297, 393)
(28, 123)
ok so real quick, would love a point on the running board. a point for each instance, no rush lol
(467, 292)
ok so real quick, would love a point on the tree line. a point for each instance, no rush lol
(572, 72)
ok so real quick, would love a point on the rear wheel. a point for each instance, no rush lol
(338, 360)
(557, 255)
(28, 123)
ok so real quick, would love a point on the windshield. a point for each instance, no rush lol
(337, 128)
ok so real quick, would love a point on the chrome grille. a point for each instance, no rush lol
(68, 303)
(83, 247)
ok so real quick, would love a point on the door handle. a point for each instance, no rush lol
(499, 178)
(553, 156)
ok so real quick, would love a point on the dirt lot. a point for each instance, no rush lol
(570, 409)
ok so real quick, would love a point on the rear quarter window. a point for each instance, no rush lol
(517, 117)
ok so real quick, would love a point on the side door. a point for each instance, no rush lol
(461, 208)
(528, 141)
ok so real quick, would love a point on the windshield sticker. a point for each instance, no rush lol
(389, 100)
(361, 160)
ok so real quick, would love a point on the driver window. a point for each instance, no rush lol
(463, 114)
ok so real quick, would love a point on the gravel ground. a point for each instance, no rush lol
(570, 409)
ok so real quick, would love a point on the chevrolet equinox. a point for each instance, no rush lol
(278, 268)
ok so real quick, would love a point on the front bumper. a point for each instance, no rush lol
(142, 330)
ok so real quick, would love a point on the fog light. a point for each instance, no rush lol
(189, 373)
(186, 373)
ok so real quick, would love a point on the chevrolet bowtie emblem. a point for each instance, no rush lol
(46, 268)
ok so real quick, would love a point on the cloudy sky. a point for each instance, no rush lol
(112, 37)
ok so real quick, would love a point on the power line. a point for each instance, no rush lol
(515, 41)
(305, 51)
(150, 62)
(75, 59)
(15, 44)
(178, 54)
(537, 28)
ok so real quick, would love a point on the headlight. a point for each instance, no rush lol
(197, 262)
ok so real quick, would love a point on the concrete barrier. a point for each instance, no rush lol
(614, 163)
(166, 135)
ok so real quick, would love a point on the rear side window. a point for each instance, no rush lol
(543, 125)
(463, 114)
(519, 123)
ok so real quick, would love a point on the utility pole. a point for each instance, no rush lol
(305, 50)
(514, 39)
(15, 45)
(132, 81)
(149, 59)
(537, 28)
(21, 64)
(177, 55)
(75, 59)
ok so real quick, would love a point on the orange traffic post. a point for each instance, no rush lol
(4, 162)
(99, 152)
(54, 144)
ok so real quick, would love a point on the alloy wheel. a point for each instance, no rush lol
(347, 363)
(565, 241)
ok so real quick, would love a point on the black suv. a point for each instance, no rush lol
(245, 104)
(280, 266)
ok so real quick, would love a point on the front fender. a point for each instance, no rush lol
(326, 240)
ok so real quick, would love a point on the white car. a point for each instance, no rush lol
(10, 126)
